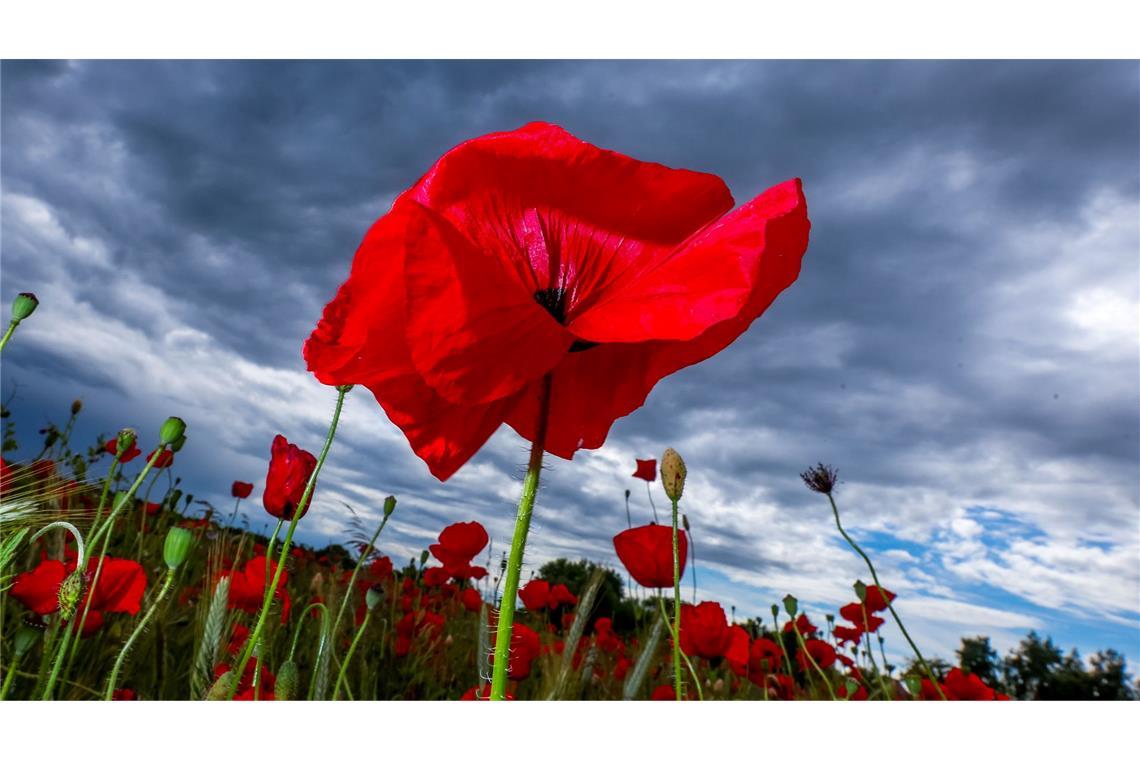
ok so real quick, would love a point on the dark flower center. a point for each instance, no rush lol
(554, 301)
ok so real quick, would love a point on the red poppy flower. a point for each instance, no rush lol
(737, 652)
(124, 695)
(605, 272)
(525, 647)
(803, 625)
(535, 595)
(378, 571)
(621, 668)
(820, 651)
(966, 687)
(245, 685)
(877, 598)
(560, 595)
(471, 599)
(435, 576)
(664, 693)
(121, 586)
(646, 470)
(859, 695)
(240, 490)
(151, 507)
(861, 616)
(112, 448)
(763, 658)
(247, 587)
(164, 459)
(459, 543)
(704, 630)
(647, 553)
(289, 471)
(849, 635)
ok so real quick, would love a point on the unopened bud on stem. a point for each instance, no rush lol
(673, 474)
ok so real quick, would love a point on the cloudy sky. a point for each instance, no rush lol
(962, 342)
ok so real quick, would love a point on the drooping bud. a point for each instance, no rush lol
(179, 442)
(70, 591)
(171, 430)
(287, 677)
(23, 306)
(76, 406)
(221, 688)
(673, 474)
(791, 604)
(861, 590)
(373, 596)
(177, 547)
(389, 506)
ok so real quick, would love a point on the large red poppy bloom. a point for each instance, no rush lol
(289, 471)
(647, 553)
(605, 272)
(122, 583)
(704, 630)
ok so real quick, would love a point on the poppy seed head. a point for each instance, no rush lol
(821, 478)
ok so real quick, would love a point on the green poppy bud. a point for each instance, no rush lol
(775, 611)
(177, 547)
(23, 306)
(221, 688)
(25, 638)
(389, 506)
(125, 440)
(171, 430)
(861, 590)
(423, 557)
(287, 677)
(791, 604)
(673, 474)
(70, 592)
(76, 406)
(178, 443)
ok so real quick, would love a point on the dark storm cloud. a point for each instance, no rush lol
(955, 212)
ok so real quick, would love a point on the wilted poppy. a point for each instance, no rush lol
(241, 490)
(604, 272)
(646, 470)
(647, 553)
(289, 470)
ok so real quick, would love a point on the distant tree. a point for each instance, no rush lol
(1029, 667)
(978, 657)
(1109, 677)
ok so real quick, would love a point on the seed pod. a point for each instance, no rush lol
(23, 306)
(171, 430)
(791, 604)
(76, 406)
(287, 677)
(861, 591)
(179, 442)
(389, 506)
(672, 474)
(221, 687)
(70, 592)
(177, 547)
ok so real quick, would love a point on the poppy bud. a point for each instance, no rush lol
(861, 590)
(178, 443)
(343, 388)
(69, 593)
(126, 439)
(389, 506)
(372, 597)
(221, 688)
(26, 638)
(76, 406)
(423, 557)
(791, 604)
(287, 677)
(775, 611)
(23, 306)
(171, 430)
(829, 617)
(673, 474)
(685, 521)
(177, 547)
(627, 494)
(175, 497)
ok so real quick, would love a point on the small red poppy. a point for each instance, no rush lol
(607, 273)
(459, 543)
(471, 599)
(289, 470)
(164, 459)
(704, 630)
(877, 598)
(112, 448)
(247, 587)
(664, 693)
(803, 625)
(535, 595)
(820, 651)
(241, 490)
(560, 595)
(966, 687)
(647, 553)
(646, 470)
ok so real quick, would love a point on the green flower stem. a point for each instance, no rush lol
(355, 573)
(684, 657)
(269, 556)
(340, 678)
(9, 677)
(650, 495)
(814, 664)
(871, 654)
(676, 608)
(518, 546)
(8, 333)
(255, 634)
(301, 625)
(167, 582)
(783, 646)
(106, 489)
(68, 627)
(891, 607)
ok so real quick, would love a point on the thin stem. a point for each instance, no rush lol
(518, 546)
(340, 678)
(355, 572)
(807, 654)
(8, 333)
(649, 493)
(68, 626)
(302, 506)
(9, 677)
(875, 577)
(676, 607)
(114, 679)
